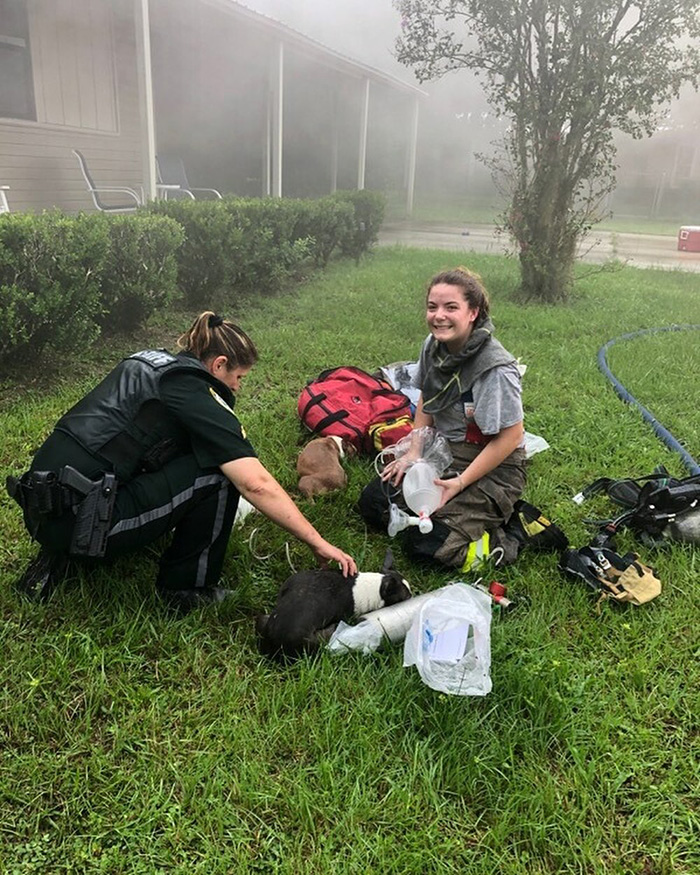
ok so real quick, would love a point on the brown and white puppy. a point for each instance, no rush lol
(310, 604)
(319, 468)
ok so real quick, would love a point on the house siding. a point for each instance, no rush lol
(87, 97)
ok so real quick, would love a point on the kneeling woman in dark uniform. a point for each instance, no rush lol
(156, 446)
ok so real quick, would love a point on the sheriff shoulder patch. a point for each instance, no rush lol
(221, 401)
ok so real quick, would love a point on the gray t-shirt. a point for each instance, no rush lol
(493, 403)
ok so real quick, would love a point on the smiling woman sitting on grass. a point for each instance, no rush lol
(470, 392)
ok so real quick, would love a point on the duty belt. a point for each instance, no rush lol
(51, 494)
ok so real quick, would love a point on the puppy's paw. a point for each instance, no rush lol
(309, 487)
(320, 637)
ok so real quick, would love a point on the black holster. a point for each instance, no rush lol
(43, 494)
(93, 515)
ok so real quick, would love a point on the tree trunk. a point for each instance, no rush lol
(545, 229)
(546, 268)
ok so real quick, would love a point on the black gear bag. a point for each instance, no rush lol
(657, 507)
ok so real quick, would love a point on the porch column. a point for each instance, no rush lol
(364, 121)
(277, 119)
(334, 145)
(267, 147)
(412, 151)
(695, 163)
(145, 77)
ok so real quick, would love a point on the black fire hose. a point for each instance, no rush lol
(661, 432)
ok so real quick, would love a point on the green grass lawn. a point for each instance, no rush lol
(131, 742)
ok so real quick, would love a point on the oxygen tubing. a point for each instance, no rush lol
(661, 432)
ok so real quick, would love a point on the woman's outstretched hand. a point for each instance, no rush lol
(326, 553)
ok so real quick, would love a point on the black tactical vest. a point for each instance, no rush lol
(123, 422)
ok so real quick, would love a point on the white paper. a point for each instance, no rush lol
(450, 644)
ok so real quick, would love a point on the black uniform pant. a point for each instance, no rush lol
(197, 506)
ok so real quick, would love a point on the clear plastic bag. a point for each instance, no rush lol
(401, 376)
(449, 641)
(534, 443)
(425, 443)
(365, 637)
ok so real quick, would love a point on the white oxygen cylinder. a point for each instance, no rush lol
(421, 494)
(395, 620)
(392, 623)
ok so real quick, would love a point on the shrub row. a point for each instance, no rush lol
(64, 280)
(240, 247)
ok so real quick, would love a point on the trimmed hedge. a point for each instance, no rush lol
(326, 222)
(238, 247)
(49, 281)
(234, 247)
(368, 207)
(210, 239)
(65, 278)
(139, 272)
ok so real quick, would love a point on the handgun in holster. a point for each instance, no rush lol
(93, 515)
(50, 494)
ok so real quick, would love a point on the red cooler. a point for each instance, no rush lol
(689, 238)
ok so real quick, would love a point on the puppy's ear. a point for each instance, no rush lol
(388, 562)
(349, 449)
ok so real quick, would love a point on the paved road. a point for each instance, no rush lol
(638, 250)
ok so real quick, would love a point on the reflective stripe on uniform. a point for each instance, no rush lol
(203, 564)
(157, 513)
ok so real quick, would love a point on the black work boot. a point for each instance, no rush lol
(532, 529)
(42, 575)
(182, 601)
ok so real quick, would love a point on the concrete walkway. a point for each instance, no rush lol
(637, 250)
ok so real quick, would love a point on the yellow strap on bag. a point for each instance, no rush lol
(477, 552)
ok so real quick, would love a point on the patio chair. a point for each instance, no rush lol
(96, 192)
(4, 206)
(171, 172)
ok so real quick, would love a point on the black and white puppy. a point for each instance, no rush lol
(310, 604)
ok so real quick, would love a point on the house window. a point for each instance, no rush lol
(16, 84)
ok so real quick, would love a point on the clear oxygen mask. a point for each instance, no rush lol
(430, 454)
(421, 493)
